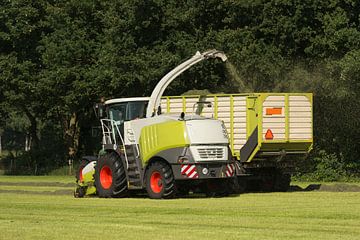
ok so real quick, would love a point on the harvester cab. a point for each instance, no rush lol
(162, 153)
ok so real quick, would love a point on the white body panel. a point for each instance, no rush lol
(89, 168)
(300, 123)
(120, 100)
(206, 131)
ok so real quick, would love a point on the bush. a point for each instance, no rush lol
(328, 167)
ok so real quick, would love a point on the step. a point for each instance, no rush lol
(132, 166)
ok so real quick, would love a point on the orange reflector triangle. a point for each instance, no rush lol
(269, 135)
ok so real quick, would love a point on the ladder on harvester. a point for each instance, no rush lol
(110, 137)
(134, 173)
(111, 134)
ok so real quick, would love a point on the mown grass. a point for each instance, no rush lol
(19, 179)
(293, 215)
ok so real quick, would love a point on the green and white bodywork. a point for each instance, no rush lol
(189, 147)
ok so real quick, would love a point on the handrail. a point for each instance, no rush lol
(109, 132)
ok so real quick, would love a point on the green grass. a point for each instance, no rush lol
(19, 179)
(293, 215)
(35, 188)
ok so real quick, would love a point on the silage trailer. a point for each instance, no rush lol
(268, 132)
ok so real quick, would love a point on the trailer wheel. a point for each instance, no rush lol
(282, 182)
(110, 176)
(217, 187)
(160, 181)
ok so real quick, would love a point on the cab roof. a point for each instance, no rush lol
(121, 100)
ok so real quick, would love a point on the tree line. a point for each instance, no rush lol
(58, 57)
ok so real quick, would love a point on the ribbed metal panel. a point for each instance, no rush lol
(300, 114)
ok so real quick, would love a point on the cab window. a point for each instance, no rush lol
(117, 113)
(136, 110)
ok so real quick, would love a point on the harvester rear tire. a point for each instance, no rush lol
(110, 176)
(160, 181)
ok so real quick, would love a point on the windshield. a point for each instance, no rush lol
(127, 111)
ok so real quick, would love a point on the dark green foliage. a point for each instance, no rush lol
(59, 57)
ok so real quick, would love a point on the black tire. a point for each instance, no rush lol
(110, 176)
(160, 181)
(282, 182)
(217, 187)
(182, 190)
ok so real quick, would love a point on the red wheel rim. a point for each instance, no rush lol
(156, 183)
(81, 177)
(105, 177)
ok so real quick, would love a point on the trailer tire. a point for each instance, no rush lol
(110, 176)
(218, 187)
(160, 181)
(282, 182)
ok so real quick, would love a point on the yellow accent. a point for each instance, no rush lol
(90, 190)
(215, 107)
(254, 153)
(261, 98)
(167, 105)
(251, 118)
(89, 176)
(184, 104)
(287, 107)
(161, 136)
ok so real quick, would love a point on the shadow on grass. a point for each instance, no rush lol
(337, 187)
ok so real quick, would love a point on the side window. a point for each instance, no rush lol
(136, 110)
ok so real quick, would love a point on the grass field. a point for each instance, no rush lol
(36, 208)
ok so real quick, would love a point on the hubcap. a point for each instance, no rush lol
(156, 183)
(105, 177)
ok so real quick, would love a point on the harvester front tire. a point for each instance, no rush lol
(160, 181)
(110, 176)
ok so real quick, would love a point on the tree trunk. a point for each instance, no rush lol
(32, 130)
(71, 134)
(32, 139)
